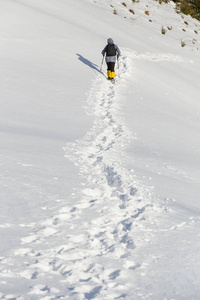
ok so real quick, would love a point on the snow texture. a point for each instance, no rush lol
(99, 182)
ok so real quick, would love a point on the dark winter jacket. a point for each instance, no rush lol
(111, 50)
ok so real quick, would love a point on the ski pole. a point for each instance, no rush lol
(102, 63)
(118, 63)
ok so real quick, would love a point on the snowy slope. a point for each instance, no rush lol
(99, 182)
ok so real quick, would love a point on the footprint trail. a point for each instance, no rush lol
(112, 202)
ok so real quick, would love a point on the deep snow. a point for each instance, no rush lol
(99, 182)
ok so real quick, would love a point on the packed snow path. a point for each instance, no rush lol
(111, 200)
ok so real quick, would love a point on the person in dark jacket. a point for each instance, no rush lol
(111, 50)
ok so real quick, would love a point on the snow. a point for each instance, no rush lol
(99, 182)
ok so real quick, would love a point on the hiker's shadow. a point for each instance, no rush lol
(88, 63)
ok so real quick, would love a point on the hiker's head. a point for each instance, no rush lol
(110, 41)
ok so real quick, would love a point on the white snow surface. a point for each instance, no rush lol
(99, 182)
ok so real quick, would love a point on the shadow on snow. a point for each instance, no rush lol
(88, 63)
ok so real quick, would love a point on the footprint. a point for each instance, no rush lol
(114, 274)
(93, 293)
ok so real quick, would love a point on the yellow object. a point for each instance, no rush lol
(113, 75)
(109, 73)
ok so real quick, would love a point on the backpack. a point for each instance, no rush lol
(110, 51)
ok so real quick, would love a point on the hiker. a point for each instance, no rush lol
(111, 50)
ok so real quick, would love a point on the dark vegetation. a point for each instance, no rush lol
(187, 7)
